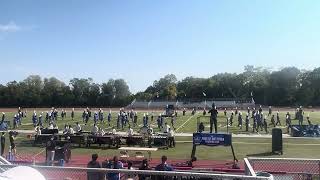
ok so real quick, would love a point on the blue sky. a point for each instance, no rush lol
(141, 40)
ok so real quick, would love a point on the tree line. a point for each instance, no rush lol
(289, 86)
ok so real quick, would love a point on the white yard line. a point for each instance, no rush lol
(185, 122)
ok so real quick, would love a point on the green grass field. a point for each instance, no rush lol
(298, 148)
(185, 124)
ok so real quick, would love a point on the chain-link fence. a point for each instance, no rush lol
(287, 168)
(71, 173)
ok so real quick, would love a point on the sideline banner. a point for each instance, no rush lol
(212, 139)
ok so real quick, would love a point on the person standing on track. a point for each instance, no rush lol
(213, 118)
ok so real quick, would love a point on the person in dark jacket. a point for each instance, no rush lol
(213, 118)
(144, 166)
(91, 175)
(3, 142)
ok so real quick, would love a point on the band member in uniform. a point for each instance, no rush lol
(94, 129)
(78, 128)
(231, 118)
(118, 121)
(225, 111)
(273, 121)
(135, 119)
(278, 119)
(255, 122)
(159, 122)
(34, 118)
(300, 112)
(265, 124)
(47, 117)
(247, 122)
(288, 121)
(84, 115)
(173, 120)
(270, 111)
(236, 112)
(240, 120)
(109, 118)
(260, 109)
(213, 118)
(308, 119)
(95, 117)
(40, 120)
(204, 111)
(72, 114)
(172, 142)
(62, 114)
(253, 112)
(184, 112)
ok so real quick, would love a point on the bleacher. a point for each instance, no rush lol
(190, 104)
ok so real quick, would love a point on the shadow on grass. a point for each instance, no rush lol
(262, 154)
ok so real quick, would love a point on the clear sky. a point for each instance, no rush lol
(141, 40)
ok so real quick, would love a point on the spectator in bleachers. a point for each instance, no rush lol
(144, 166)
(116, 164)
(164, 166)
(91, 175)
(50, 150)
